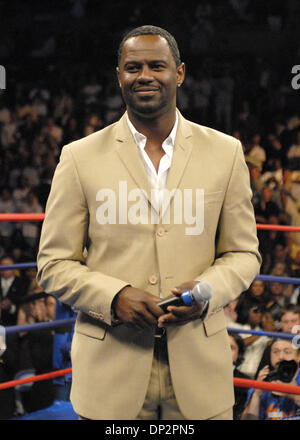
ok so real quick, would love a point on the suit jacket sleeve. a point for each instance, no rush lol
(61, 264)
(237, 258)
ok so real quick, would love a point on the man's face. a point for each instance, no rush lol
(288, 321)
(283, 351)
(148, 76)
(234, 348)
(254, 316)
(6, 274)
(257, 288)
(276, 289)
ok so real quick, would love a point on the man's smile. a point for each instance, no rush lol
(145, 91)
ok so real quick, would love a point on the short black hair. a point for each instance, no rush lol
(152, 30)
(241, 346)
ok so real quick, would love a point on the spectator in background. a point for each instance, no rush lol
(246, 122)
(52, 133)
(62, 351)
(9, 351)
(4, 113)
(28, 130)
(295, 271)
(255, 180)
(230, 313)
(114, 105)
(7, 205)
(8, 133)
(94, 123)
(39, 96)
(240, 394)
(266, 207)
(62, 107)
(32, 308)
(256, 295)
(282, 269)
(92, 92)
(277, 297)
(275, 153)
(43, 189)
(11, 292)
(256, 152)
(72, 131)
(290, 318)
(267, 405)
(36, 351)
(30, 230)
(273, 246)
(30, 170)
(21, 190)
(293, 153)
(255, 344)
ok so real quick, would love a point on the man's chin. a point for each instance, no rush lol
(148, 111)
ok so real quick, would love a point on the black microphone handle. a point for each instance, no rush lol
(170, 301)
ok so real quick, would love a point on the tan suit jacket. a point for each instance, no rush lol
(85, 263)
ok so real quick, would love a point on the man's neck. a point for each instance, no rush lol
(156, 130)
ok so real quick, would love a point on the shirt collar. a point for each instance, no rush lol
(141, 140)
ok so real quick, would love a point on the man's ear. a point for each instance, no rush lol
(118, 76)
(180, 74)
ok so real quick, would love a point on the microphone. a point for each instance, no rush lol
(201, 293)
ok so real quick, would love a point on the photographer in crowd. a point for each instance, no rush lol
(283, 368)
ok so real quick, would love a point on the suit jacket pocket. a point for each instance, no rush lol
(215, 323)
(89, 326)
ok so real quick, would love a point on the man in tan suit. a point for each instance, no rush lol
(150, 205)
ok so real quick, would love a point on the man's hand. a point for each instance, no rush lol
(137, 307)
(263, 373)
(182, 314)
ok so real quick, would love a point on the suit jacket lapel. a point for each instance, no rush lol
(181, 155)
(130, 157)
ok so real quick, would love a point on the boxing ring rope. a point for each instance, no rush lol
(245, 383)
(36, 217)
(22, 217)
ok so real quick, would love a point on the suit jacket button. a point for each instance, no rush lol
(161, 232)
(153, 279)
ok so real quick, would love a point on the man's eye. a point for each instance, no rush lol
(157, 67)
(132, 68)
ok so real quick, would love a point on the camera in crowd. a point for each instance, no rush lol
(284, 372)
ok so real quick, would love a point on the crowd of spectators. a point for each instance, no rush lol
(246, 97)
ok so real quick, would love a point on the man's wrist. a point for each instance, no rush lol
(114, 317)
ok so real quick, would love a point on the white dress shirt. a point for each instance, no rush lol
(5, 286)
(157, 179)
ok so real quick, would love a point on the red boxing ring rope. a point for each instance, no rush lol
(18, 217)
(21, 217)
(38, 378)
(244, 383)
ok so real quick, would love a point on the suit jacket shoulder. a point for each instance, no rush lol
(100, 142)
(212, 138)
